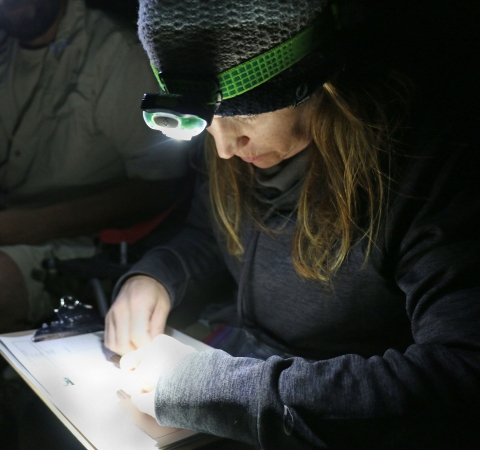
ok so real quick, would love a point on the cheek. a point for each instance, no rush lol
(213, 134)
(290, 140)
(212, 128)
(302, 131)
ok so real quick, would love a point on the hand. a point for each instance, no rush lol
(138, 314)
(146, 366)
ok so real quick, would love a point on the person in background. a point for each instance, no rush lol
(75, 156)
(341, 193)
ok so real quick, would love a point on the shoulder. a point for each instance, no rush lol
(441, 146)
(108, 32)
(114, 52)
(436, 180)
(95, 37)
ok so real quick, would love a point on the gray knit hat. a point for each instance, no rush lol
(195, 39)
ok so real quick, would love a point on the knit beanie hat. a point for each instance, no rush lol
(195, 39)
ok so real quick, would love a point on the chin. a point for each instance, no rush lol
(266, 164)
(263, 161)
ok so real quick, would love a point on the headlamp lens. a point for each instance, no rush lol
(177, 126)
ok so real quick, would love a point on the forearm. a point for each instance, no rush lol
(295, 404)
(118, 206)
(203, 404)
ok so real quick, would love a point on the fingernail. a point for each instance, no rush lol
(122, 395)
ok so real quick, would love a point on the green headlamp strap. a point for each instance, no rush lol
(258, 70)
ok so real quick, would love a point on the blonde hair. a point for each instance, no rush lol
(347, 182)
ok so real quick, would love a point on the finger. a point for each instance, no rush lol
(119, 329)
(142, 384)
(140, 317)
(110, 335)
(160, 311)
(131, 360)
(158, 321)
(142, 372)
(145, 402)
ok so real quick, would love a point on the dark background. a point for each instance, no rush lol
(440, 42)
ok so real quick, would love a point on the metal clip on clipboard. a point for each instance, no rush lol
(74, 318)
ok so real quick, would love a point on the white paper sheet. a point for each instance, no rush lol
(77, 375)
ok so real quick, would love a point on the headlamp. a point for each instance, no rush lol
(186, 106)
(175, 125)
(177, 116)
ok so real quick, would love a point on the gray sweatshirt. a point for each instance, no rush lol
(387, 356)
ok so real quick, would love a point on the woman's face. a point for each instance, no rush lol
(266, 139)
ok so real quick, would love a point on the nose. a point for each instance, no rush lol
(229, 136)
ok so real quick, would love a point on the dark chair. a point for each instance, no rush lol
(92, 279)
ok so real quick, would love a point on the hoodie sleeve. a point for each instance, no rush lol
(192, 261)
(427, 396)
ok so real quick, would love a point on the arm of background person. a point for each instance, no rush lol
(122, 205)
(155, 169)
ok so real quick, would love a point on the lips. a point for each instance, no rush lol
(250, 159)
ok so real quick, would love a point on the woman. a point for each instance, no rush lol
(347, 216)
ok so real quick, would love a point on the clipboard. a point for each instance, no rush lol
(77, 379)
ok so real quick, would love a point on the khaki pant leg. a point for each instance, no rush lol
(29, 260)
